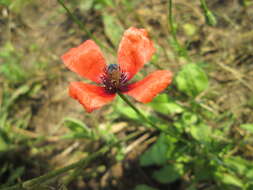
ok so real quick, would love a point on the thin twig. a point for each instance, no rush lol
(236, 74)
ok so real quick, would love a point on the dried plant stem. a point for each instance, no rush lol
(42, 179)
(29, 184)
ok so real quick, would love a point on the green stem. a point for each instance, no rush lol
(203, 4)
(172, 27)
(209, 16)
(167, 132)
(123, 97)
(80, 164)
(79, 171)
(82, 26)
(180, 50)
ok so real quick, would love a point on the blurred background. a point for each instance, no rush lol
(209, 45)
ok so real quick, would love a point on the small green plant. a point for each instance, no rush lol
(11, 67)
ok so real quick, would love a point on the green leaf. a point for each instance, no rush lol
(163, 104)
(78, 129)
(123, 109)
(19, 92)
(169, 173)
(129, 113)
(11, 67)
(157, 154)
(237, 164)
(144, 187)
(231, 180)
(16, 173)
(113, 29)
(3, 144)
(189, 118)
(249, 174)
(248, 127)
(191, 80)
(210, 18)
(201, 133)
(249, 186)
(189, 29)
(5, 2)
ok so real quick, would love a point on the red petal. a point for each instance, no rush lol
(135, 50)
(146, 89)
(87, 60)
(90, 96)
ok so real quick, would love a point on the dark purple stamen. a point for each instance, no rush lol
(114, 79)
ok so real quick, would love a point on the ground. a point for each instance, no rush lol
(41, 31)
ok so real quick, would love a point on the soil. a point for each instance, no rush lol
(226, 50)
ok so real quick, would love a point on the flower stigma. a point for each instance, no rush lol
(114, 79)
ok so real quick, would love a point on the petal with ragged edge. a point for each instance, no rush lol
(135, 50)
(86, 60)
(90, 96)
(146, 89)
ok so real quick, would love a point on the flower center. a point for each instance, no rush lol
(113, 79)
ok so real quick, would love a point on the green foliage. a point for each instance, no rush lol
(14, 88)
(191, 80)
(85, 5)
(157, 154)
(11, 67)
(180, 50)
(200, 133)
(209, 16)
(5, 2)
(100, 4)
(127, 112)
(165, 105)
(144, 187)
(229, 180)
(205, 156)
(169, 173)
(247, 3)
(248, 127)
(78, 130)
(9, 140)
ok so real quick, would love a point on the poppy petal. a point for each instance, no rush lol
(90, 96)
(135, 50)
(86, 60)
(146, 89)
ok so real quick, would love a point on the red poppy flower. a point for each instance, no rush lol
(135, 50)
